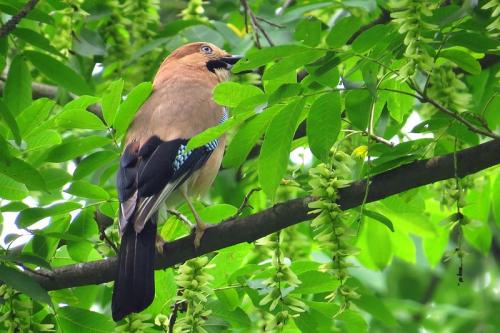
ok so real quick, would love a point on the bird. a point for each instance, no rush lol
(157, 169)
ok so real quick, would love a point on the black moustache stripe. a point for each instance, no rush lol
(212, 65)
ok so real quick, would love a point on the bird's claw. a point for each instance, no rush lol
(159, 243)
(199, 231)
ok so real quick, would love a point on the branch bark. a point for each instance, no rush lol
(14, 20)
(253, 227)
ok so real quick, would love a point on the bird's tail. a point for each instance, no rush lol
(134, 287)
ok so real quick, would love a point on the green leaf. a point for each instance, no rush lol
(275, 150)
(285, 92)
(316, 282)
(76, 147)
(228, 298)
(29, 216)
(374, 306)
(236, 255)
(59, 73)
(323, 124)
(274, 83)
(357, 106)
(34, 116)
(34, 38)
(495, 199)
(82, 188)
(24, 283)
(17, 91)
(370, 37)
(43, 139)
(477, 42)
(79, 118)
(378, 243)
(83, 227)
(10, 121)
(352, 322)
(260, 57)
(76, 320)
(215, 132)
(291, 63)
(130, 106)
(12, 190)
(308, 31)
(380, 218)
(231, 94)
(463, 59)
(26, 258)
(92, 162)
(55, 178)
(342, 31)
(22, 172)
(247, 136)
(111, 101)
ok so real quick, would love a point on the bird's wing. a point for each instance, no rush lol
(148, 175)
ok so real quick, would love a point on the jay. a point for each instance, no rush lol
(156, 168)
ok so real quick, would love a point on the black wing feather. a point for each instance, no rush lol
(143, 174)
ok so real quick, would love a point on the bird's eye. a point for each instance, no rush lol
(206, 49)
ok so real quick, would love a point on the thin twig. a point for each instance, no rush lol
(256, 27)
(269, 22)
(175, 309)
(457, 116)
(181, 217)
(245, 204)
(14, 20)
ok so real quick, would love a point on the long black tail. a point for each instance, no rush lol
(134, 286)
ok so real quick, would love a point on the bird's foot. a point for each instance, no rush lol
(159, 244)
(199, 230)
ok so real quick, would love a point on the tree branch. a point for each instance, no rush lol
(14, 20)
(253, 227)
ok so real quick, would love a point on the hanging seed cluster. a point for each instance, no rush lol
(410, 16)
(194, 280)
(277, 287)
(332, 226)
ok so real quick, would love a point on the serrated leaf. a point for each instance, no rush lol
(59, 73)
(308, 31)
(17, 91)
(260, 57)
(76, 147)
(369, 38)
(24, 283)
(380, 218)
(231, 94)
(342, 31)
(82, 188)
(130, 106)
(34, 116)
(291, 63)
(29, 216)
(34, 38)
(77, 320)
(10, 121)
(111, 101)
(323, 124)
(43, 139)
(247, 136)
(22, 172)
(274, 155)
(12, 190)
(92, 162)
(463, 59)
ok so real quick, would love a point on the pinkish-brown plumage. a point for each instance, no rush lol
(154, 167)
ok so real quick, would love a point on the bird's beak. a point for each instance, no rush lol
(230, 60)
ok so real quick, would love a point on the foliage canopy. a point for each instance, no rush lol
(328, 92)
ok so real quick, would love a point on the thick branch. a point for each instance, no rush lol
(251, 228)
(14, 20)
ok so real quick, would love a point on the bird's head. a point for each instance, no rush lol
(203, 56)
